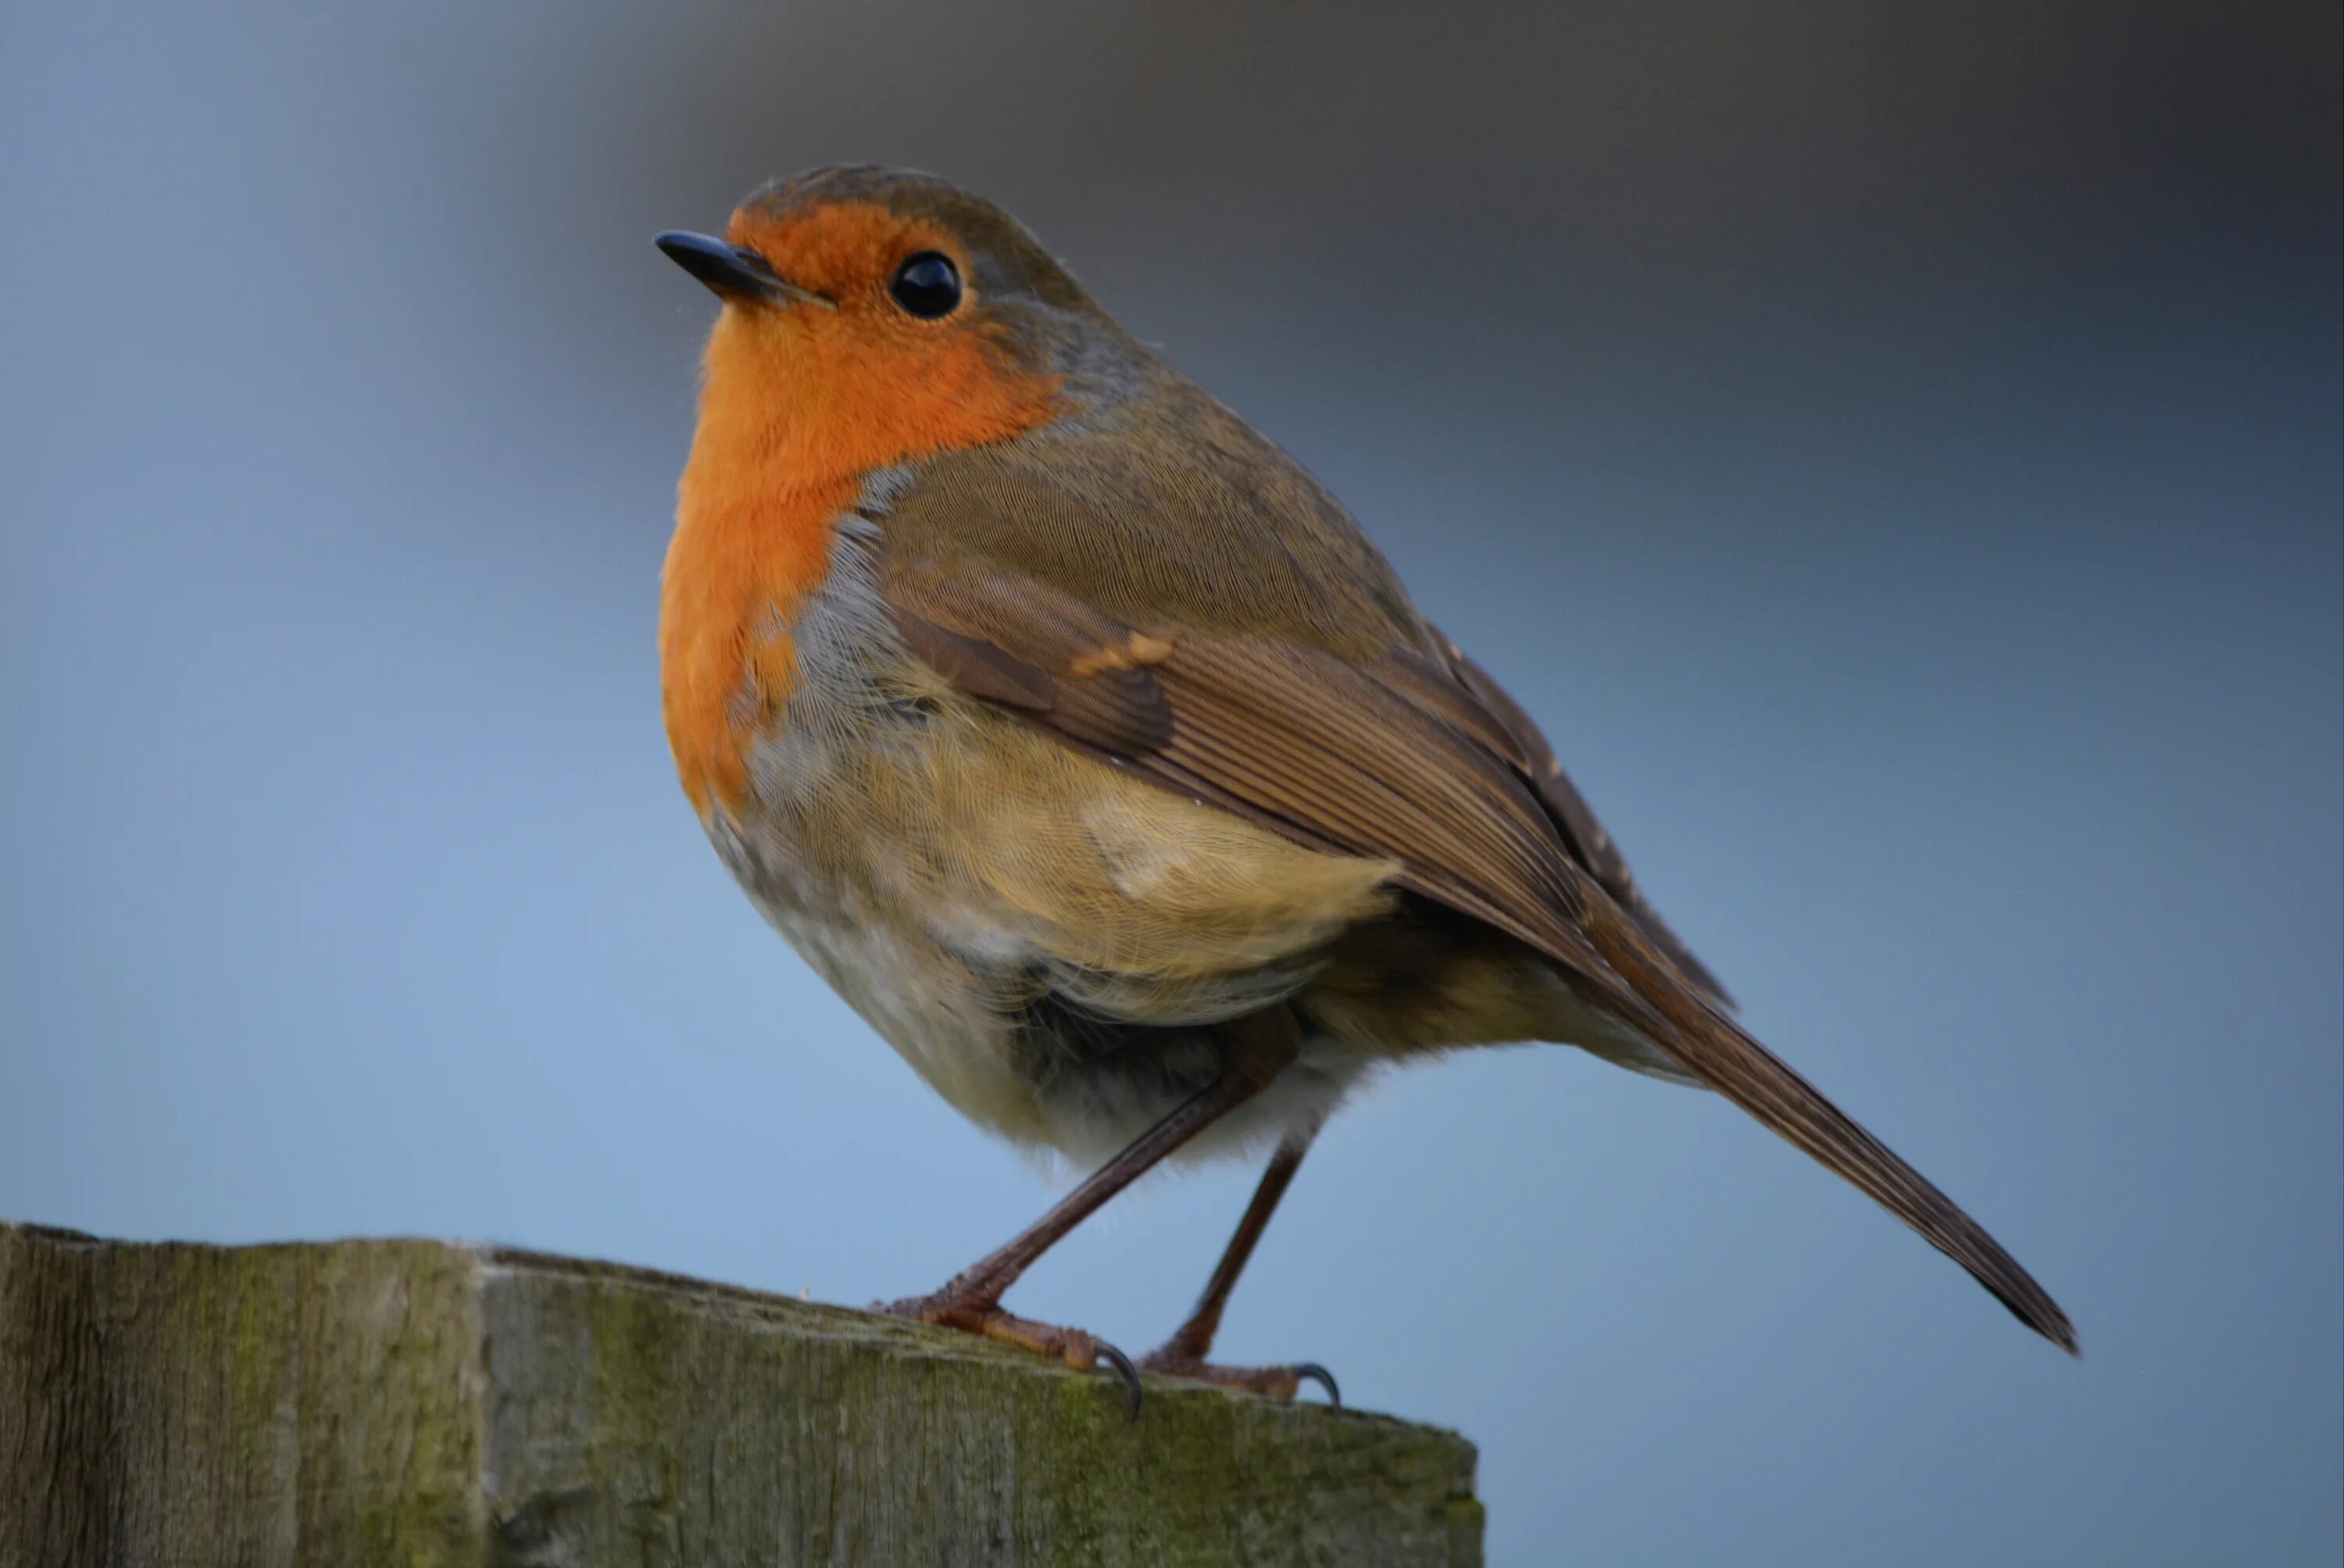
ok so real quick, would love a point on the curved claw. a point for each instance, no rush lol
(1323, 1378)
(1123, 1369)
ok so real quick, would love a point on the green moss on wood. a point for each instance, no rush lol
(412, 1403)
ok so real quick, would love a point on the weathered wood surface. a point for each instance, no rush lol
(416, 1402)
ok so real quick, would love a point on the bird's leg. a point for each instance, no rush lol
(1262, 1047)
(1184, 1354)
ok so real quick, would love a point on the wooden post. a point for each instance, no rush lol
(418, 1402)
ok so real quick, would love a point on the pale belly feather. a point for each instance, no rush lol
(1047, 943)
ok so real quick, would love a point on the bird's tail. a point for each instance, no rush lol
(1722, 1056)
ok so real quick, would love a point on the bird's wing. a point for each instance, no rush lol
(1179, 510)
(1470, 699)
(1383, 757)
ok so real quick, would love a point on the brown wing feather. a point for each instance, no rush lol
(1457, 787)
(1587, 841)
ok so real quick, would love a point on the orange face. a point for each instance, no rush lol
(855, 377)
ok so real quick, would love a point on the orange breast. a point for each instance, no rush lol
(797, 408)
(739, 564)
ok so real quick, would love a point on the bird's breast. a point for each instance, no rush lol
(742, 572)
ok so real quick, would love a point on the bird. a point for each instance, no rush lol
(1081, 740)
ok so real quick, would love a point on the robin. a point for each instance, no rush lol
(1084, 743)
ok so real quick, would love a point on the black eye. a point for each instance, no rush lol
(928, 285)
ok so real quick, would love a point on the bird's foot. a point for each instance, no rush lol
(1277, 1383)
(1078, 1349)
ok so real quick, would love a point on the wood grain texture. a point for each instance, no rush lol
(419, 1403)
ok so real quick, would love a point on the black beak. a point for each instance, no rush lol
(733, 272)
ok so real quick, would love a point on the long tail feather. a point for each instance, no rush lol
(1712, 1046)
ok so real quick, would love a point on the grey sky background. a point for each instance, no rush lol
(1896, 455)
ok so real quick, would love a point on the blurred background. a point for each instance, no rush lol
(1894, 451)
